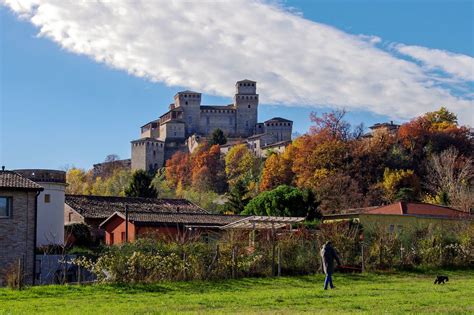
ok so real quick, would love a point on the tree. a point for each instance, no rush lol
(282, 201)
(400, 185)
(218, 137)
(241, 165)
(276, 171)
(77, 181)
(238, 197)
(450, 178)
(140, 186)
(331, 124)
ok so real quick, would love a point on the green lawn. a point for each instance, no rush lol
(368, 293)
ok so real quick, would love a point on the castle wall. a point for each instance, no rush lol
(172, 130)
(190, 102)
(212, 119)
(280, 130)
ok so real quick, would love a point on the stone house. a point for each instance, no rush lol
(18, 212)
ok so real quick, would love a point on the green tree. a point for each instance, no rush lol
(283, 201)
(218, 137)
(141, 186)
(238, 197)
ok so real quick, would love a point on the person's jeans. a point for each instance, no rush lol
(327, 281)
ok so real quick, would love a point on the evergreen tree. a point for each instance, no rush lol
(238, 198)
(140, 186)
(218, 137)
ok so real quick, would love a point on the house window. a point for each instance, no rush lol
(112, 238)
(5, 207)
(123, 237)
(47, 198)
(70, 216)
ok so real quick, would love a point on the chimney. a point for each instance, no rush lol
(3, 168)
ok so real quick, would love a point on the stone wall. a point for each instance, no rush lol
(17, 235)
(217, 118)
(147, 154)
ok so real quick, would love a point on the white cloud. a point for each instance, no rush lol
(208, 46)
(460, 66)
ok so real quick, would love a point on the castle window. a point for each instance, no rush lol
(154, 153)
(207, 120)
(249, 105)
(186, 102)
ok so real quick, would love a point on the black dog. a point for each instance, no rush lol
(441, 279)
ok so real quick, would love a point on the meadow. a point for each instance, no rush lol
(401, 292)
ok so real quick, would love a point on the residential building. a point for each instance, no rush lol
(18, 211)
(50, 218)
(402, 215)
(93, 210)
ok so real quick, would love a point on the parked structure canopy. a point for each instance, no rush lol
(262, 222)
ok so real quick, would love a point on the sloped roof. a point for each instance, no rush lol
(150, 218)
(246, 80)
(419, 209)
(100, 207)
(12, 180)
(278, 119)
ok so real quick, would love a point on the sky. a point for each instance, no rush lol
(78, 78)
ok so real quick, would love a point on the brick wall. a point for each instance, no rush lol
(17, 234)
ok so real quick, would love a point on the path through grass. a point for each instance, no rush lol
(367, 293)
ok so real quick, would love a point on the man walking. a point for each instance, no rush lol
(328, 255)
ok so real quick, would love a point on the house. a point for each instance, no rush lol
(18, 210)
(399, 215)
(159, 224)
(50, 218)
(93, 210)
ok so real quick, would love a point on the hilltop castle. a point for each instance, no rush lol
(187, 122)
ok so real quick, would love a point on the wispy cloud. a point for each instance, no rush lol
(208, 46)
(460, 66)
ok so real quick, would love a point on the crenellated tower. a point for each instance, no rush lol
(246, 105)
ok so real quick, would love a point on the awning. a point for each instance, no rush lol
(262, 222)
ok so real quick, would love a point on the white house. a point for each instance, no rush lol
(50, 216)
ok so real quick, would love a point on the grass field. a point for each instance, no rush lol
(367, 293)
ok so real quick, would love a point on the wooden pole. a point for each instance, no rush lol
(273, 249)
(233, 263)
(279, 261)
(126, 224)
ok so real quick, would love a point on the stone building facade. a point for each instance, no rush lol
(187, 120)
(18, 210)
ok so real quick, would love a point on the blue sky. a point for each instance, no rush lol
(64, 103)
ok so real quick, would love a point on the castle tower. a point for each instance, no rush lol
(148, 154)
(246, 105)
(190, 102)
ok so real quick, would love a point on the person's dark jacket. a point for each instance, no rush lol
(328, 255)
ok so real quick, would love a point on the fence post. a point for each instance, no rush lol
(233, 263)
(279, 261)
(362, 257)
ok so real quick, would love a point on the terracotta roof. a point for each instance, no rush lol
(278, 119)
(419, 209)
(100, 207)
(12, 180)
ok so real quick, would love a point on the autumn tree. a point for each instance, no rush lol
(78, 181)
(241, 165)
(276, 171)
(140, 186)
(400, 185)
(331, 125)
(178, 170)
